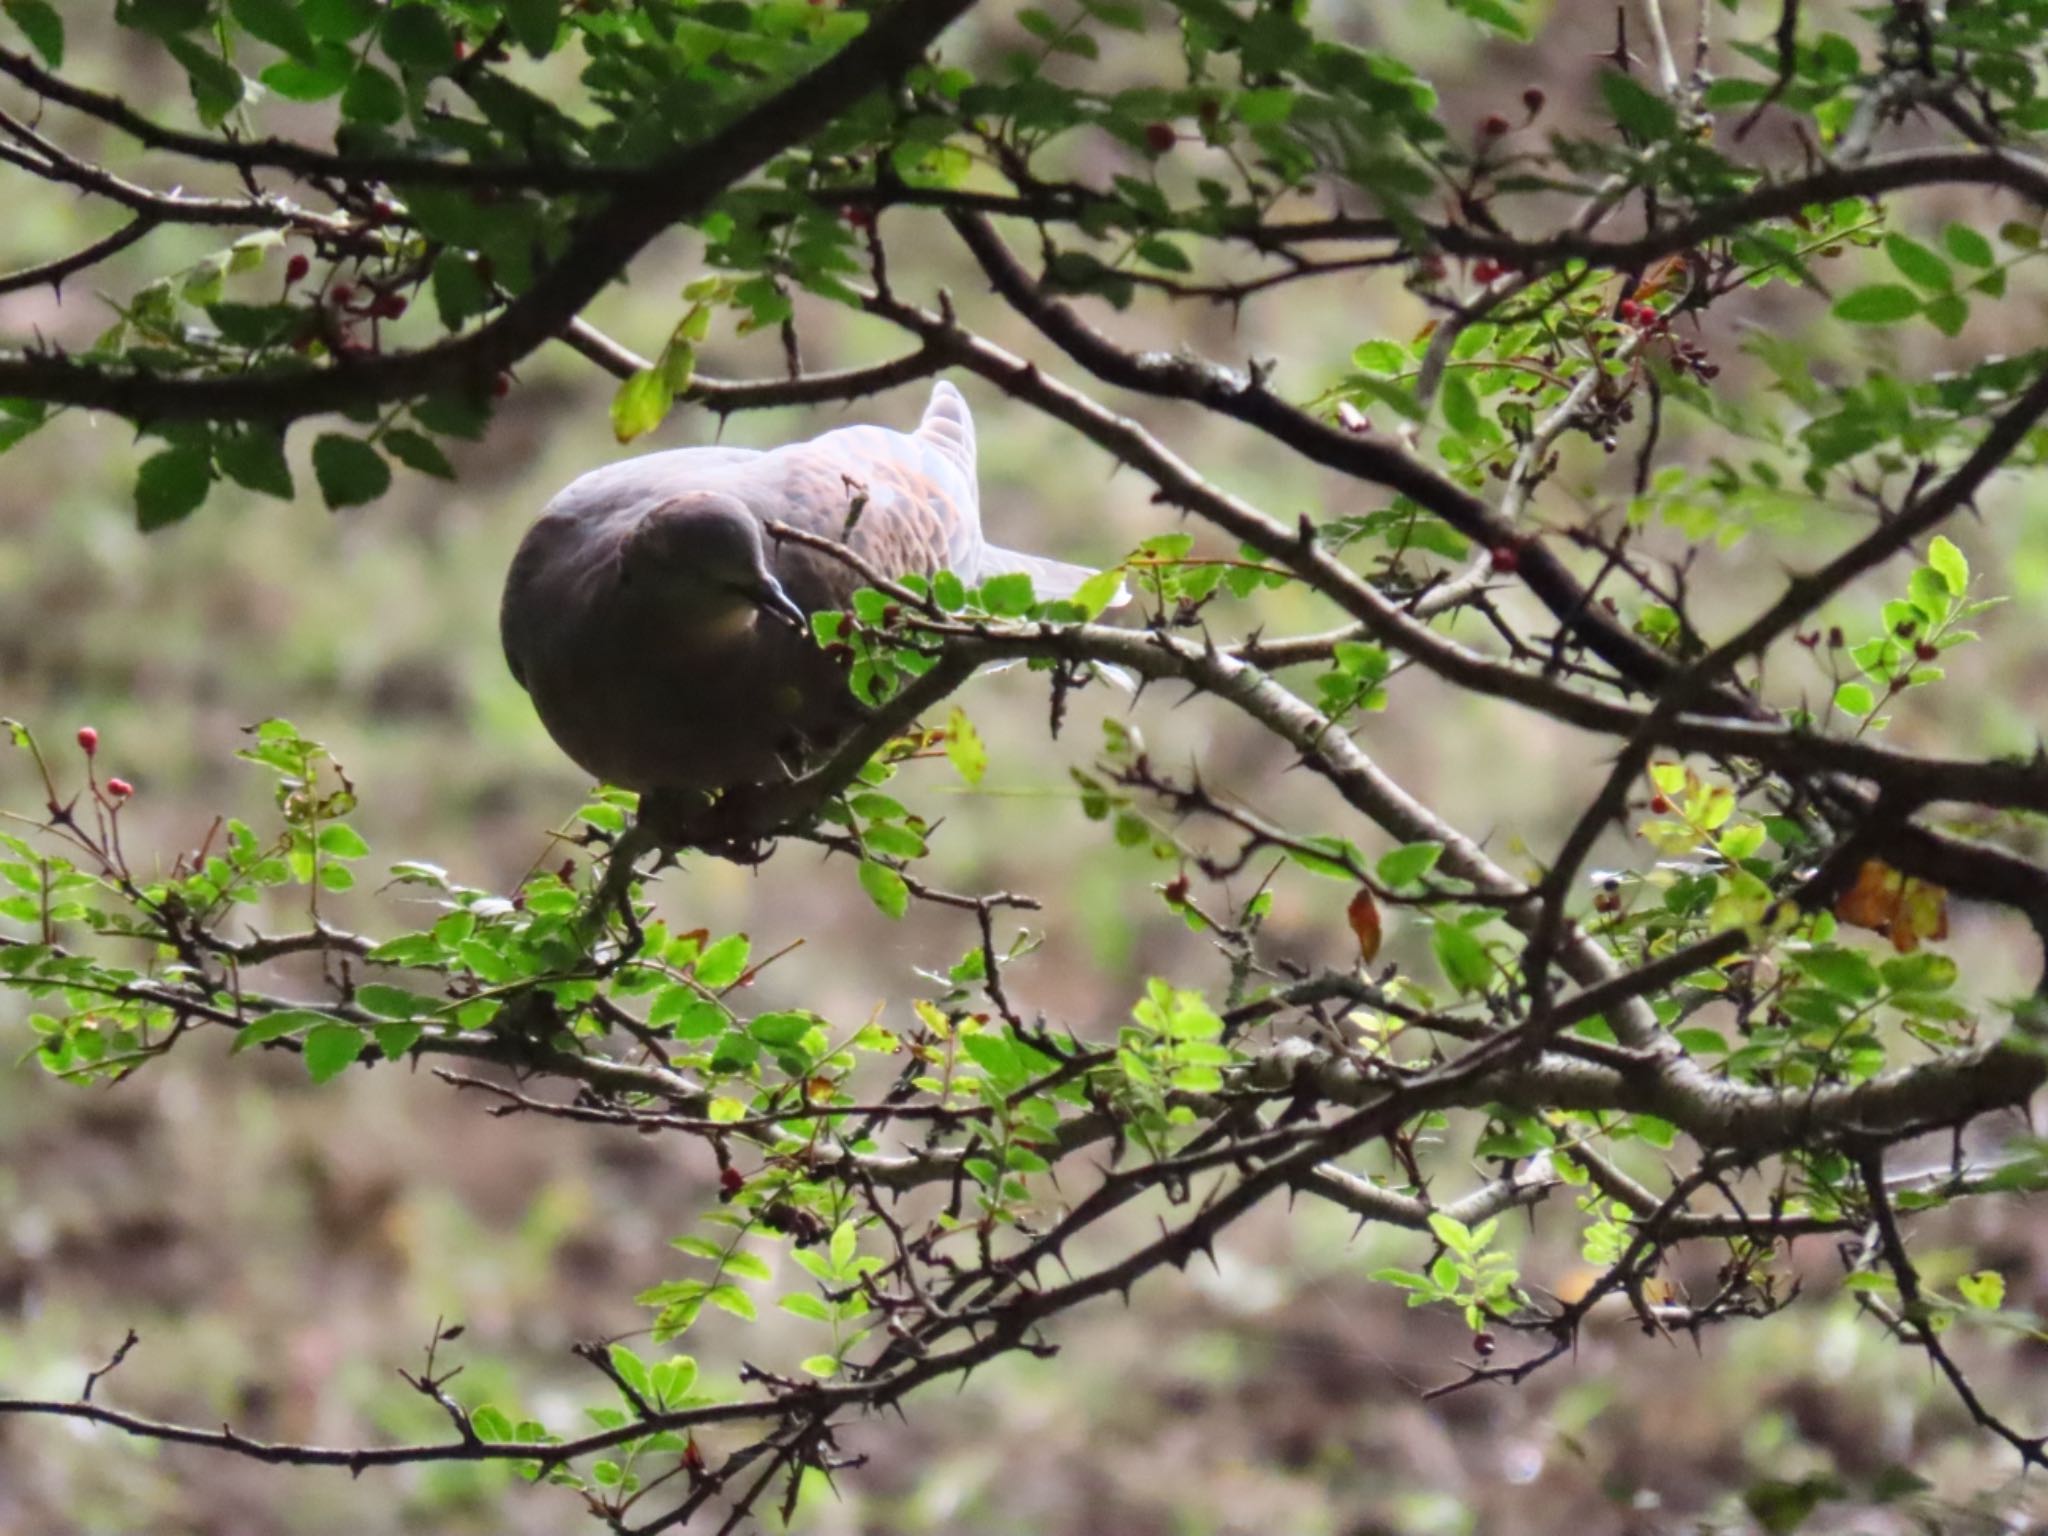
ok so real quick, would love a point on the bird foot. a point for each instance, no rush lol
(730, 826)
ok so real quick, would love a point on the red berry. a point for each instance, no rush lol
(501, 386)
(88, 739)
(341, 293)
(296, 269)
(857, 217)
(1160, 137)
(1533, 98)
(1495, 125)
(1505, 558)
(388, 306)
(1925, 651)
(1660, 805)
(730, 1180)
(1486, 269)
(120, 789)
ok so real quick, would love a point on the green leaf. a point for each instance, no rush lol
(341, 841)
(372, 96)
(1928, 589)
(1494, 14)
(1381, 357)
(416, 37)
(781, 1031)
(162, 18)
(1451, 1232)
(1897, 1482)
(1948, 313)
(965, 749)
(1781, 1507)
(1845, 972)
(1409, 863)
(396, 1038)
(731, 1298)
(1879, 304)
(216, 84)
(1461, 406)
(42, 26)
(674, 1377)
(1265, 108)
(1093, 595)
(1917, 263)
(723, 963)
(349, 470)
(1637, 108)
(845, 1239)
(254, 459)
(170, 486)
(1950, 562)
(534, 24)
(1397, 397)
(275, 1026)
(276, 22)
(327, 75)
(338, 21)
(331, 1049)
(1008, 595)
(460, 293)
(630, 1369)
(641, 403)
(1463, 957)
(388, 1002)
(1855, 699)
(885, 888)
(1967, 246)
(1984, 1290)
(415, 450)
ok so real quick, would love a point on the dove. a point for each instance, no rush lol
(663, 634)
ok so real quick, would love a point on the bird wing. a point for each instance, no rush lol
(1049, 578)
(905, 502)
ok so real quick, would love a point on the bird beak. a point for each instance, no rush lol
(776, 603)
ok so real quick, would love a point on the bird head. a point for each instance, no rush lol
(704, 551)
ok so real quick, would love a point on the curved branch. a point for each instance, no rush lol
(1246, 399)
(726, 396)
(677, 189)
(55, 272)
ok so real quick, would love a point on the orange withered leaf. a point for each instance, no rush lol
(1904, 910)
(1364, 916)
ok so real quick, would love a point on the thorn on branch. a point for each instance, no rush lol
(112, 1364)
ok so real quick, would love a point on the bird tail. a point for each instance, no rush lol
(1049, 578)
(948, 426)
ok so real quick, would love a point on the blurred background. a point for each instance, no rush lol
(283, 1249)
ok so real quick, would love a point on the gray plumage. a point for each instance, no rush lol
(662, 633)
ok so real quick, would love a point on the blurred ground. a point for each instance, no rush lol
(282, 1249)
